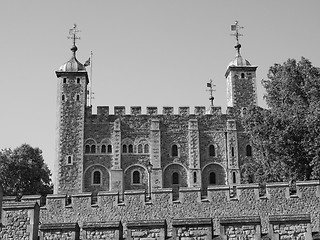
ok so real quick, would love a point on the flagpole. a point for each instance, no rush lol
(90, 93)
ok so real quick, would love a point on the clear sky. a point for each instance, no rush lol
(145, 53)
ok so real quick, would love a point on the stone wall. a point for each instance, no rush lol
(245, 214)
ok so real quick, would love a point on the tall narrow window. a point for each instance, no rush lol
(96, 177)
(136, 177)
(109, 148)
(78, 97)
(212, 151)
(63, 97)
(212, 178)
(242, 75)
(64, 80)
(130, 148)
(69, 160)
(234, 179)
(194, 177)
(146, 148)
(78, 80)
(174, 150)
(124, 148)
(93, 149)
(103, 149)
(87, 149)
(175, 178)
(140, 148)
(232, 151)
(248, 151)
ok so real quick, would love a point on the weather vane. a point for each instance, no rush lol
(211, 90)
(235, 28)
(73, 34)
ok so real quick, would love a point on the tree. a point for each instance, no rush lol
(286, 136)
(23, 171)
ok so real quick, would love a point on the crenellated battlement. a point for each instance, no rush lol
(103, 111)
(223, 208)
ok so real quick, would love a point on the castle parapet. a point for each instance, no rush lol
(184, 111)
(199, 110)
(167, 111)
(135, 110)
(152, 110)
(103, 111)
(119, 110)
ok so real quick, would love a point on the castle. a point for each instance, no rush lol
(158, 176)
(120, 152)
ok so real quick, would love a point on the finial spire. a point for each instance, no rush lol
(73, 36)
(211, 90)
(235, 27)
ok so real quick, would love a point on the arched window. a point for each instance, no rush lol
(63, 97)
(194, 177)
(87, 149)
(109, 149)
(174, 150)
(212, 178)
(124, 148)
(78, 97)
(136, 177)
(242, 75)
(103, 148)
(146, 148)
(130, 148)
(234, 179)
(248, 151)
(175, 178)
(212, 151)
(140, 148)
(96, 177)
(69, 160)
(232, 151)
(93, 149)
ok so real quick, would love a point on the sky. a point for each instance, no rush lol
(145, 53)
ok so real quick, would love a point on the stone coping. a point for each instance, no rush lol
(189, 189)
(278, 219)
(241, 220)
(277, 184)
(9, 199)
(308, 183)
(161, 190)
(219, 188)
(135, 192)
(30, 197)
(248, 186)
(105, 193)
(56, 196)
(59, 226)
(20, 205)
(192, 221)
(147, 223)
(101, 225)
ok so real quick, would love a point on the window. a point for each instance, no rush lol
(146, 148)
(248, 151)
(234, 179)
(130, 148)
(63, 97)
(103, 148)
(96, 177)
(140, 148)
(194, 177)
(124, 148)
(174, 150)
(64, 80)
(212, 151)
(175, 178)
(78, 80)
(232, 151)
(93, 149)
(242, 75)
(69, 160)
(212, 178)
(109, 149)
(87, 149)
(78, 97)
(136, 177)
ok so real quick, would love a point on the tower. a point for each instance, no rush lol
(241, 78)
(71, 103)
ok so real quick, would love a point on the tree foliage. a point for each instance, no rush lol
(286, 136)
(23, 171)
